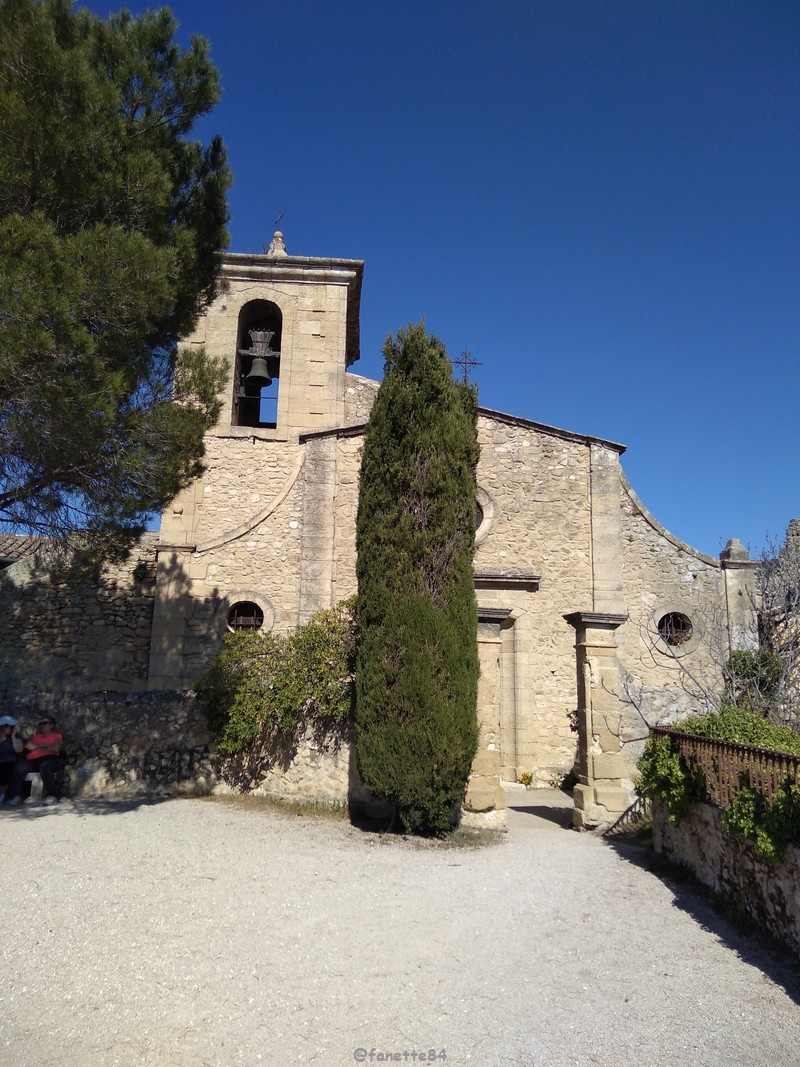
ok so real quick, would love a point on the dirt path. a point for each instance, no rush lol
(191, 933)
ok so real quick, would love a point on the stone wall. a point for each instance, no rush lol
(273, 521)
(664, 575)
(127, 744)
(59, 635)
(345, 511)
(730, 866)
(534, 559)
(359, 396)
(310, 768)
(157, 744)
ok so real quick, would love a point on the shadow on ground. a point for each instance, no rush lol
(716, 914)
(560, 816)
(81, 807)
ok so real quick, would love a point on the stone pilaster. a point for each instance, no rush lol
(603, 768)
(170, 617)
(739, 573)
(484, 795)
(316, 561)
(606, 530)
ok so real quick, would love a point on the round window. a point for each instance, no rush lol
(674, 628)
(245, 615)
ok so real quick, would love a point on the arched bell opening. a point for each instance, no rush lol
(258, 365)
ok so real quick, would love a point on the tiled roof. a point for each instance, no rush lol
(17, 546)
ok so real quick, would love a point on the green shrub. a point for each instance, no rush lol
(279, 684)
(770, 827)
(754, 679)
(745, 727)
(763, 667)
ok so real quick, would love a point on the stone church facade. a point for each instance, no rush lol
(593, 619)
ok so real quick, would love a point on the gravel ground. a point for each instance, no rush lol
(186, 933)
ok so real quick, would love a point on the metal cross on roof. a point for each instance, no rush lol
(465, 361)
(278, 220)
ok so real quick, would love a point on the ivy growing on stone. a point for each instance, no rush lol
(770, 827)
(734, 723)
(663, 776)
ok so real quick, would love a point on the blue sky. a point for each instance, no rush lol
(599, 199)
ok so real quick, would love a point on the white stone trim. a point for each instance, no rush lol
(253, 596)
(676, 607)
(487, 506)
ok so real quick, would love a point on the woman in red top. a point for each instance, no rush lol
(44, 756)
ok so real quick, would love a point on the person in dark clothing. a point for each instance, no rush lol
(11, 749)
(43, 756)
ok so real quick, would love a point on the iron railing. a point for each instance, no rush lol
(726, 766)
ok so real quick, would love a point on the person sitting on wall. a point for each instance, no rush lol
(11, 748)
(43, 757)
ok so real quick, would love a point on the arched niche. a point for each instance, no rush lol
(255, 400)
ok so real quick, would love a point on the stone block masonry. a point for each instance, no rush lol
(157, 744)
(56, 636)
(116, 744)
(730, 866)
(578, 588)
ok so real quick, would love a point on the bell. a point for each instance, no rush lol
(259, 375)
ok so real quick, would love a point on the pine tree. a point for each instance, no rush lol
(417, 666)
(111, 221)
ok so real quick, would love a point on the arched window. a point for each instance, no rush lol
(258, 365)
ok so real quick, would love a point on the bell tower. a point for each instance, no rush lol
(288, 328)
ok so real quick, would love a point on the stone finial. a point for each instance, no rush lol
(277, 248)
(734, 550)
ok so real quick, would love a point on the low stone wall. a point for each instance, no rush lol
(127, 744)
(729, 865)
(313, 768)
(158, 743)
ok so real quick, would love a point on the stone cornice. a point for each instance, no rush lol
(605, 619)
(739, 564)
(507, 579)
(251, 267)
(499, 416)
(493, 614)
(353, 429)
(291, 268)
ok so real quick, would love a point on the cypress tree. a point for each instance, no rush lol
(417, 664)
